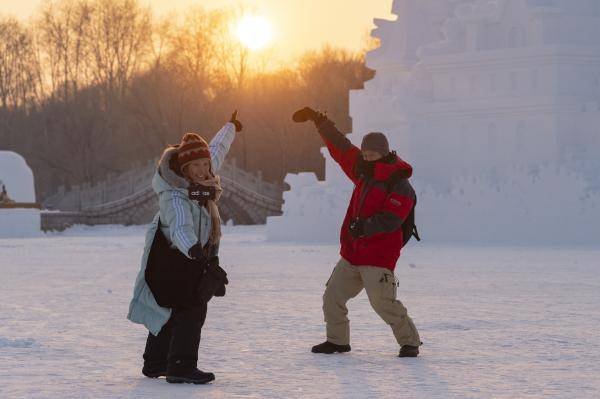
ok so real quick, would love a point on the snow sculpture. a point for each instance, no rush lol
(19, 213)
(481, 89)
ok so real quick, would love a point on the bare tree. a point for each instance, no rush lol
(94, 85)
(18, 77)
(90, 50)
(19, 85)
(233, 56)
(194, 45)
(179, 92)
(63, 32)
(119, 40)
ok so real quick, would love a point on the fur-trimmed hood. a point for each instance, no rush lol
(165, 178)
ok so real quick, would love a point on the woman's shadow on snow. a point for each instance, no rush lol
(160, 388)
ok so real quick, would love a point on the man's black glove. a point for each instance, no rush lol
(197, 253)
(234, 120)
(308, 114)
(357, 228)
(304, 114)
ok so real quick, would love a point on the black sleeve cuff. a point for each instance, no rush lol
(328, 130)
(382, 222)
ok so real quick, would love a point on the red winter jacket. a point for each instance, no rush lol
(382, 212)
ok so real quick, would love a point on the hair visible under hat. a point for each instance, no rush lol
(375, 141)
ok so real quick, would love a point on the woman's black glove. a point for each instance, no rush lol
(222, 279)
(234, 120)
(213, 280)
(221, 290)
(197, 253)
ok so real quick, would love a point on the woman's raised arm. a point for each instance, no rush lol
(220, 144)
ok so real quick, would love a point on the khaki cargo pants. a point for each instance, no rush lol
(346, 282)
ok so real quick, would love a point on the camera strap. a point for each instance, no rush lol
(205, 249)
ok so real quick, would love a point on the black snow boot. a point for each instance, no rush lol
(155, 371)
(409, 351)
(193, 377)
(329, 348)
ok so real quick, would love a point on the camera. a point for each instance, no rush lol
(357, 228)
(201, 193)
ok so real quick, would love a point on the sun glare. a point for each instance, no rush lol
(255, 32)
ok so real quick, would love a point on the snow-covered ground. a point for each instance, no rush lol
(496, 322)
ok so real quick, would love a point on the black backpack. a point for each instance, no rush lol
(409, 228)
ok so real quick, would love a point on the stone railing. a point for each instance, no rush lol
(129, 199)
(115, 187)
(138, 179)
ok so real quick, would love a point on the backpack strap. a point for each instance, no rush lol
(415, 233)
(391, 182)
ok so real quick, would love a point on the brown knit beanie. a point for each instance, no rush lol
(375, 141)
(192, 147)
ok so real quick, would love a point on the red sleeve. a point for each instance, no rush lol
(346, 159)
(341, 149)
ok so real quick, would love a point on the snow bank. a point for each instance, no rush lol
(313, 210)
(552, 206)
(103, 230)
(548, 206)
(18, 223)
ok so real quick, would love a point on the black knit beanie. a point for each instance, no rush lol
(376, 141)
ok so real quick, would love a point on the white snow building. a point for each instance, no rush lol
(473, 88)
(20, 215)
(467, 86)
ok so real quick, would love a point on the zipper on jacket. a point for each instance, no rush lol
(367, 186)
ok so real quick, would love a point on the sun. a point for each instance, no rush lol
(255, 32)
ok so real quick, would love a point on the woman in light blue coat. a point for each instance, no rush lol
(191, 231)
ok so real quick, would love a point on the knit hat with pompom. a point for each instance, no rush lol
(192, 147)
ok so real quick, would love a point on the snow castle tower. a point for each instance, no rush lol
(469, 88)
(19, 213)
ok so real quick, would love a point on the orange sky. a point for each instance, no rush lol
(298, 24)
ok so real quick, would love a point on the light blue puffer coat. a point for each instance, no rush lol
(180, 220)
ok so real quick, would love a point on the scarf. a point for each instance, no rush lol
(213, 210)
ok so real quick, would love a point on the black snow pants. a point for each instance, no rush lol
(175, 348)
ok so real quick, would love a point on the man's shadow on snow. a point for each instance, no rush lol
(360, 373)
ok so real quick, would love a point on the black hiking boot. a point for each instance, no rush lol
(409, 351)
(329, 348)
(193, 377)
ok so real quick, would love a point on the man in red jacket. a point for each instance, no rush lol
(371, 236)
